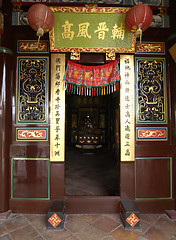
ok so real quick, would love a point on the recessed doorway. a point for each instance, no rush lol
(92, 145)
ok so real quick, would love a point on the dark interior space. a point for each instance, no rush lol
(92, 145)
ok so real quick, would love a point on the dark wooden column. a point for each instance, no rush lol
(171, 42)
(5, 106)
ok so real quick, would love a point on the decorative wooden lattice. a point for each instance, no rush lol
(151, 101)
(32, 90)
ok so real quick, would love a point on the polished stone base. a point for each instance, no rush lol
(129, 215)
(56, 215)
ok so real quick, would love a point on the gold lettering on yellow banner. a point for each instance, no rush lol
(57, 124)
(127, 108)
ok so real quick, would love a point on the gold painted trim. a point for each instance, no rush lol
(150, 48)
(91, 9)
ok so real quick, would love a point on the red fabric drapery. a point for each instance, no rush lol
(92, 80)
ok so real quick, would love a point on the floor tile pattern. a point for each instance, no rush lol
(87, 227)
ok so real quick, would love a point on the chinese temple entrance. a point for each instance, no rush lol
(92, 145)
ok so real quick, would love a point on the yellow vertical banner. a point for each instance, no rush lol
(127, 132)
(57, 117)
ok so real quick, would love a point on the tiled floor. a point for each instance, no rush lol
(87, 227)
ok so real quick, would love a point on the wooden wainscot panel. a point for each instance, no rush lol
(31, 206)
(127, 180)
(152, 148)
(153, 178)
(30, 178)
(24, 149)
(154, 205)
(57, 180)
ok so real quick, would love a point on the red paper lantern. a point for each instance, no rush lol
(138, 19)
(40, 18)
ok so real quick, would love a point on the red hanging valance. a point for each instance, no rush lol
(92, 80)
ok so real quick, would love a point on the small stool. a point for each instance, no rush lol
(56, 215)
(129, 215)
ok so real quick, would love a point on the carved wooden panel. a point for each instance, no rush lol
(151, 90)
(32, 90)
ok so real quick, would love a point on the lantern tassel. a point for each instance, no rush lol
(38, 41)
(39, 34)
(139, 34)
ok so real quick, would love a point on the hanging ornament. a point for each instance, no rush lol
(40, 18)
(138, 19)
